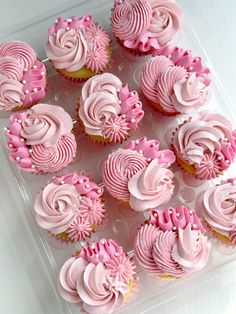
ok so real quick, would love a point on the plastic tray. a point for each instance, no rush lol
(121, 223)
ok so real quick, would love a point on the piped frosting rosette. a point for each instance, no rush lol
(205, 146)
(22, 76)
(70, 207)
(78, 47)
(174, 81)
(219, 211)
(109, 111)
(142, 26)
(172, 243)
(99, 279)
(138, 174)
(40, 140)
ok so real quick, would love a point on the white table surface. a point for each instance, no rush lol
(215, 23)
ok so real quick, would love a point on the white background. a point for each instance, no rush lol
(215, 24)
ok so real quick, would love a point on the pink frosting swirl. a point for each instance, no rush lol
(69, 205)
(54, 158)
(192, 249)
(167, 18)
(150, 187)
(219, 207)
(20, 51)
(97, 36)
(11, 94)
(130, 18)
(119, 167)
(11, 68)
(67, 49)
(171, 218)
(203, 134)
(45, 124)
(97, 59)
(189, 94)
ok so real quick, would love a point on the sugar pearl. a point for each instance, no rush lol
(197, 59)
(62, 182)
(87, 18)
(30, 150)
(97, 255)
(132, 94)
(227, 161)
(123, 115)
(92, 246)
(87, 186)
(119, 102)
(137, 105)
(33, 166)
(155, 215)
(140, 151)
(169, 56)
(149, 159)
(170, 211)
(99, 191)
(24, 82)
(132, 120)
(56, 21)
(22, 140)
(103, 241)
(67, 28)
(26, 91)
(190, 68)
(116, 254)
(194, 226)
(219, 158)
(17, 158)
(177, 214)
(42, 73)
(34, 66)
(10, 145)
(81, 181)
(35, 89)
(174, 228)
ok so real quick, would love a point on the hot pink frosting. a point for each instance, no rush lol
(207, 142)
(70, 203)
(171, 86)
(99, 286)
(151, 186)
(219, 207)
(23, 77)
(145, 25)
(138, 174)
(75, 43)
(170, 247)
(109, 110)
(40, 140)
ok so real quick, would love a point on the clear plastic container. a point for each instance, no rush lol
(121, 223)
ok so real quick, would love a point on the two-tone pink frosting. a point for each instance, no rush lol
(219, 208)
(145, 25)
(75, 43)
(174, 81)
(70, 204)
(108, 109)
(97, 278)
(139, 174)
(22, 76)
(172, 243)
(40, 139)
(207, 142)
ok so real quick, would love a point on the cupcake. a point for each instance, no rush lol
(100, 278)
(78, 48)
(205, 145)
(108, 112)
(70, 207)
(172, 244)
(142, 26)
(22, 76)
(138, 174)
(40, 140)
(219, 211)
(175, 82)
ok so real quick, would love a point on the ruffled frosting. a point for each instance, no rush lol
(171, 218)
(40, 140)
(145, 25)
(70, 204)
(101, 286)
(119, 167)
(171, 86)
(207, 134)
(219, 207)
(109, 110)
(23, 77)
(45, 124)
(75, 43)
(151, 186)
(175, 252)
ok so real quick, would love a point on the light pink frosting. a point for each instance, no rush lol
(99, 286)
(75, 43)
(207, 135)
(171, 86)
(11, 94)
(119, 167)
(40, 140)
(145, 25)
(173, 252)
(70, 203)
(45, 124)
(109, 110)
(219, 207)
(23, 77)
(151, 186)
